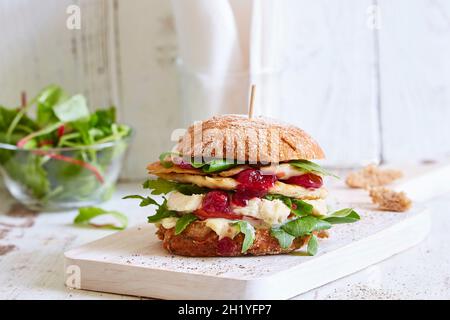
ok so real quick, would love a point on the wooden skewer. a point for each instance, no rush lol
(252, 100)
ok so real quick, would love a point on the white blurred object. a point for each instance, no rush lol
(224, 47)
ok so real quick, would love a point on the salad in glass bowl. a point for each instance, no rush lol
(55, 154)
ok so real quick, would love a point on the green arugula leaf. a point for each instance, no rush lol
(161, 213)
(249, 234)
(312, 167)
(73, 109)
(161, 186)
(86, 214)
(218, 165)
(347, 215)
(302, 208)
(197, 165)
(284, 239)
(313, 245)
(305, 225)
(183, 222)
(146, 201)
(45, 101)
(164, 162)
(286, 200)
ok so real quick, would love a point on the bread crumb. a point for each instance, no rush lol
(372, 176)
(390, 200)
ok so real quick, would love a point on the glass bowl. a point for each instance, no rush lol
(62, 178)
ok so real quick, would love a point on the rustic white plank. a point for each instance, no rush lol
(147, 79)
(415, 76)
(38, 49)
(329, 81)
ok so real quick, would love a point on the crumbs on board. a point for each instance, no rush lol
(372, 176)
(390, 200)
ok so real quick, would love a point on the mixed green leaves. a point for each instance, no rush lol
(47, 172)
(306, 225)
(312, 167)
(209, 166)
(86, 216)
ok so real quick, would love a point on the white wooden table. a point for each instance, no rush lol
(33, 269)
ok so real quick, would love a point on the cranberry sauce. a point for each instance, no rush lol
(307, 180)
(227, 247)
(184, 165)
(216, 204)
(216, 201)
(252, 184)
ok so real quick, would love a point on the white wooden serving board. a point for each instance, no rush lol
(133, 262)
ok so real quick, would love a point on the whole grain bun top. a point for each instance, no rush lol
(256, 140)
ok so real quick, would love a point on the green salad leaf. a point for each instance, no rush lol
(87, 214)
(302, 208)
(161, 186)
(284, 239)
(249, 234)
(305, 225)
(161, 213)
(73, 109)
(183, 222)
(313, 245)
(298, 207)
(312, 167)
(145, 201)
(45, 101)
(218, 165)
(162, 159)
(347, 215)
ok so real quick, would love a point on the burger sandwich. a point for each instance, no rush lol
(237, 186)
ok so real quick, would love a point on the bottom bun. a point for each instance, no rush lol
(198, 240)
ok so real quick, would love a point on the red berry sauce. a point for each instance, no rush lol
(216, 204)
(227, 247)
(216, 201)
(184, 165)
(307, 180)
(252, 184)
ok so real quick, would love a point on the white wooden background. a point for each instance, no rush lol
(364, 93)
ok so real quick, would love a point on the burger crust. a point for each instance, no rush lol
(256, 140)
(198, 240)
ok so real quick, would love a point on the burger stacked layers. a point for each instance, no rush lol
(266, 198)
